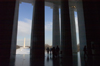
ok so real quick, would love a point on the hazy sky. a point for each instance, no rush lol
(25, 20)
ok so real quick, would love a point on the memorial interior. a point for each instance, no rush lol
(88, 23)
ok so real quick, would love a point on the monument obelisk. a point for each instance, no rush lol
(24, 43)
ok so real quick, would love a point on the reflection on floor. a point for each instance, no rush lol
(24, 60)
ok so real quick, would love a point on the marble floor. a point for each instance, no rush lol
(24, 60)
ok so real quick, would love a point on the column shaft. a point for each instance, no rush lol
(96, 45)
(66, 44)
(81, 25)
(73, 32)
(14, 34)
(97, 32)
(56, 28)
(92, 23)
(7, 9)
(37, 35)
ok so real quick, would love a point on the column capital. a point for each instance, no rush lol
(54, 5)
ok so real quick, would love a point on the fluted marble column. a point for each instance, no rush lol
(73, 29)
(56, 28)
(37, 35)
(7, 12)
(82, 33)
(73, 34)
(66, 42)
(91, 24)
(14, 33)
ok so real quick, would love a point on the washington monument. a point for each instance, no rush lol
(24, 43)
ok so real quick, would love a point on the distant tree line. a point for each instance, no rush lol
(17, 46)
(46, 45)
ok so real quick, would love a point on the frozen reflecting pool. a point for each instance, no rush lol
(22, 50)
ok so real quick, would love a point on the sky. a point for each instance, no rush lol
(25, 21)
(77, 29)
